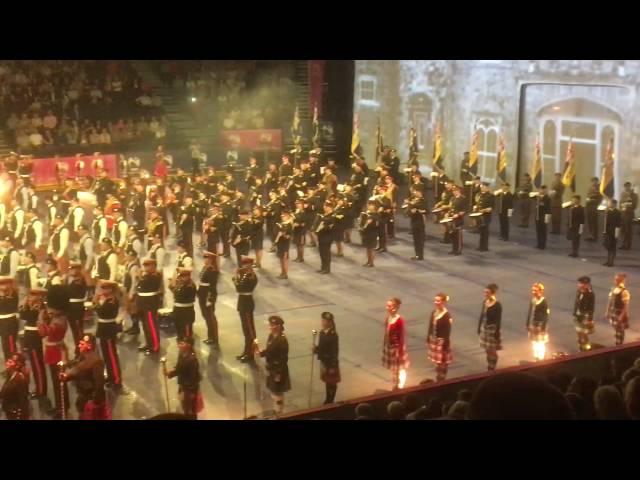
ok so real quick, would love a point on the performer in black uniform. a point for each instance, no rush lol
(207, 296)
(555, 196)
(416, 209)
(489, 325)
(612, 224)
(618, 307)
(439, 336)
(257, 235)
(184, 293)
(77, 296)
(327, 351)
(628, 205)
(543, 212)
(241, 235)
(245, 281)
(277, 357)
(368, 227)
(583, 309)
(575, 224)
(323, 227)
(484, 206)
(284, 230)
(8, 316)
(148, 300)
(504, 207)
(537, 321)
(14, 394)
(299, 230)
(594, 198)
(32, 341)
(524, 201)
(456, 213)
(107, 307)
(187, 370)
(131, 277)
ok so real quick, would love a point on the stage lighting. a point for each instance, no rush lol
(193, 99)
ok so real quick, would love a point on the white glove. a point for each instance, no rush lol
(617, 232)
(510, 212)
(581, 229)
(547, 218)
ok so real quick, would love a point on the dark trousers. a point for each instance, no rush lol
(248, 330)
(186, 235)
(611, 255)
(324, 247)
(33, 345)
(183, 318)
(226, 249)
(418, 240)
(9, 335)
(541, 234)
(382, 234)
(626, 230)
(556, 219)
(209, 315)
(391, 227)
(484, 236)
(241, 250)
(456, 240)
(111, 359)
(150, 329)
(330, 390)
(504, 226)
(60, 389)
(575, 242)
(591, 213)
(525, 212)
(75, 314)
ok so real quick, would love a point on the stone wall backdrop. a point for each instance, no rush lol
(588, 101)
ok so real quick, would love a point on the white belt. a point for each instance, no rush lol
(8, 315)
(106, 320)
(147, 294)
(245, 293)
(183, 304)
(52, 344)
(76, 300)
(204, 284)
(26, 327)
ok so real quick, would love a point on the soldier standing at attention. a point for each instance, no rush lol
(525, 202)
(575, 225)
(594, 198)
(245, 281)
(556, 193)
(628, 205)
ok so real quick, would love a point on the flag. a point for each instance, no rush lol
(316, 127)
(606, 183)
(437, 150)
(356, 148)
(473, 154)
(501, 161)
(569, 175)
(536, 172)
(413, 145)
(379, 143)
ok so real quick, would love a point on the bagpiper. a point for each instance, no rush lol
(277, 357)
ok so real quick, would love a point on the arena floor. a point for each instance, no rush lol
(356, 296)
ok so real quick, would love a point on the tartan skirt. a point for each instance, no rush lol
(538, 333)
(392, 359)
(330, 375)
(489, 338)
(584, 324)
(437, 351)
(619, 320)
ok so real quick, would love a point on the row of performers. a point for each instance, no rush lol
(396, 359)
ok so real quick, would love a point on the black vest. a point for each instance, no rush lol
(24, 275)
(30, 234)
(116, 230)
(128, 280)
(5, 263)
(153, 250)
(83, 253)
(96, 227)
(104, 271)
(14, 222)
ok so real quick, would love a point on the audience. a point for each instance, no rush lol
(609, 404)
(632, 398)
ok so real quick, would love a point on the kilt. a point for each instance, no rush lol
(619, 320)
(538, 333)
(489, 338)
(438, 353)
(338, 232)
(282, 247)
(281, 385)
(298, 237)
(584, 324)
(257, 240)
(393, 359)
(330, 375)
(369, 239)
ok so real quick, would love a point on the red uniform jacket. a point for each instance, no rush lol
(53, 334)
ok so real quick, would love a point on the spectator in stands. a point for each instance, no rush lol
(518, 396)
(412, 402)
(94, 137)
(630, 374)
(22, 139)
(396, 411)
(459, 410)
(433, 409)
(561, 380)
(35, 139)
(585, 387)
(36, 121)
(608, 404)
(12, 122)
(50, 121)
(578, 405)
(105, 137)
(632, 398)
(465, 395)
(365, 410)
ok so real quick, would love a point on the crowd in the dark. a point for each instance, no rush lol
(88, 102)
(234, 95)
(522, 396)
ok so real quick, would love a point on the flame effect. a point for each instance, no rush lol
(402, 378)
(539, 350)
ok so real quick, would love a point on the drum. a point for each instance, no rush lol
(476, 214)
(436, 211)
(446, 220)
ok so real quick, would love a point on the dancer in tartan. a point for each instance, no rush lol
(489, 325)
(439, 336)
(394, 350)
(583, 313)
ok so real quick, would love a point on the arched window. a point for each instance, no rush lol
(487, 148)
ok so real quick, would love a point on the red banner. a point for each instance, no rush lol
(44, 169)
(252, 139)
(316, 84)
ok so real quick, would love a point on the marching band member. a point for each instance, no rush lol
(525, 200)
(628, 205)
(284, 230)
(391, 192)
(16, 221)
(187, 370)
(86, 256)
(157, 251)
(155, 227)
(53, 274)
(107, 307)
(504, 207)
(394, 350)
(76, 214)
(207, 296)
(369, 228)
(384, 211)
(543, 209)
(323, 228)
(484, 205)
(583, 309)
(185, 223)
(14, 394)
(28, 274)
(489, 325)
(439, 336)
(594, 198)
(456, 214)
(29, 311)
(184, 293)
(277, 357)
(9, 324)
(99, 227)
(299, 229)
(341, 213)
(416, 209)
(131, 277)
(59, 243)
(9, 258)
(555, 203)
(77, 296)
(148, 299)
(119, 230)
(618, 307)
(575, 224)
(245, 281)
(257, 234)
(612, 225)
(133, 240)
(241, 235)
(32, 238)
(106, 267)
(537, 321)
